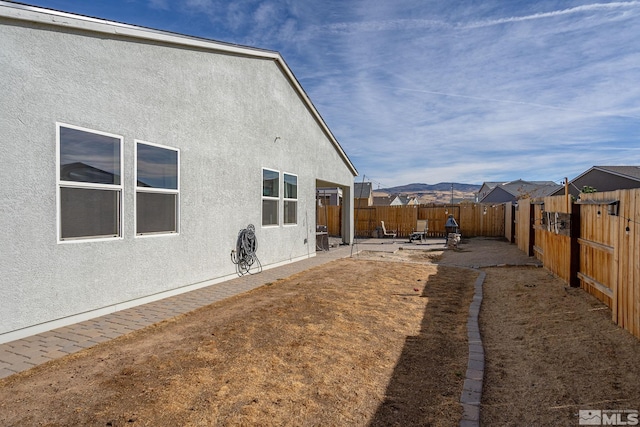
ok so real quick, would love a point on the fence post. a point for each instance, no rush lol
(512, 238)
(532, 229)
(574, 280)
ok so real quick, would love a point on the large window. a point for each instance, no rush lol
(89, 183)
(270, 196)
(157, 189)
(290, 199)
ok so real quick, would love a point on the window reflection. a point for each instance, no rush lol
(157, 167)
(89, 157)
(270, 183)
(290, 186)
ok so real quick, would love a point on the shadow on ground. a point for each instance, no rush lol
(427, 381)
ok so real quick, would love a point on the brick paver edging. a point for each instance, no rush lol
(25, 353)
(472, 389)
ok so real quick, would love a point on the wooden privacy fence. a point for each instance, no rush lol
(331, 216)
(474, 219)
(594, 244)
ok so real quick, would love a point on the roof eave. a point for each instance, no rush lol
(28, 13)
(614, 172)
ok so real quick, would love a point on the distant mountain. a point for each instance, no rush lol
(423, 188)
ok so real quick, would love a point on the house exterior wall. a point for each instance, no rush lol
(329, 196)
(483, 191)
(396, 202)
(222, 111)
(362, 202)
(498, 195)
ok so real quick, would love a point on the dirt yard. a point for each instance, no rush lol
(374, 340)
(354, 342)
(551, 351)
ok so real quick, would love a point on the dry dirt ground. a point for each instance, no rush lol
(378, 339)
(551, 351)
(353, 342)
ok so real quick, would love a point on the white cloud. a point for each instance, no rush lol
(159, 4)
(468, 91)
(199, 4)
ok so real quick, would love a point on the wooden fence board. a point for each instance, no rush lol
(633, 259)
(523, 225)
(474, 219)
(509, 222)
(608, 254)
(607, 242)
(331, 217)
(550, 233)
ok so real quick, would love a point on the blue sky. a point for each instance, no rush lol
(435, 90)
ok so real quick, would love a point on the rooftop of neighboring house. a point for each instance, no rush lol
(606, 178)
(382, 200)
(362, 190)
(632, 172)
(404, 199)
(521, 188)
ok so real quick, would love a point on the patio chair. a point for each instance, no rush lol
(420, 233)
(386, 233)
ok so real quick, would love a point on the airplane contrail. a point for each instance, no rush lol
(577, 9)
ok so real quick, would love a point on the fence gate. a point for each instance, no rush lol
(596, 271)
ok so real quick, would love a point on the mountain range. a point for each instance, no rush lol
(433, 193)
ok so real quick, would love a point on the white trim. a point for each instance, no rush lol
(175, 191)
(70, 320)
(68, 20)
(88, 185)
(288, 199)
(276, 199)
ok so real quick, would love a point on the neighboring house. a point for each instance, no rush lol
(362, 195)
(519, 189)
(604, 178)
(329, 196)
(149, 151)
(399, 200)
(382, 201)
(396, 201)
(485, 188)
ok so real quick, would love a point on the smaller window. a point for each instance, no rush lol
(290, 199)
(157, 189)
(270, 197)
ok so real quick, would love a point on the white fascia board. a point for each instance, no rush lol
(68, 20)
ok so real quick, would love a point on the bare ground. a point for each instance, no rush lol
(354, 342)
(378, 339)
(551, 351)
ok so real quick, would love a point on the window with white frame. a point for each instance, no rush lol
(290, 199)
(270, 197)
(157, 188)
(89, 180)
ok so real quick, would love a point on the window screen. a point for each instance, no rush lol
(86, 213)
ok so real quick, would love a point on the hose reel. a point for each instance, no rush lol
(244, 256)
